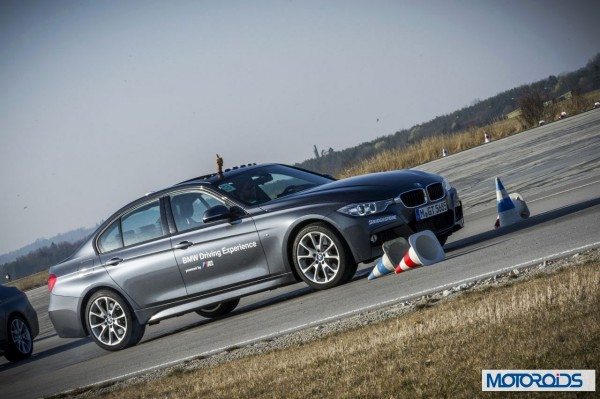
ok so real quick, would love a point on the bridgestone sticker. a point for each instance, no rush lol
(383, 219)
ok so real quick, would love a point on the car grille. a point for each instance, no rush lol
(435, 191)
(435, 223)
(413, 198)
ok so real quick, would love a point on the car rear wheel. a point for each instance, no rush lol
(219, 309)
(321, 258)
(20, 340)
(111, 323)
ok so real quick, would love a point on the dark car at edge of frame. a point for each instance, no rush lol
(18, 324)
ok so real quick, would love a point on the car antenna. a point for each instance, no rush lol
(220, 166)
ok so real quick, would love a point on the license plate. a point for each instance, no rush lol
(431, 210)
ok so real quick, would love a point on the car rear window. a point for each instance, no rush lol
(142, 224)
(111, 238)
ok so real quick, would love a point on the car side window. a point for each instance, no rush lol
(189, 207)
(111, 238)
(142, 224)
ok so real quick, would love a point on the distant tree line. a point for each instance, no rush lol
(478, 114)
(38, 260)
(69, 236)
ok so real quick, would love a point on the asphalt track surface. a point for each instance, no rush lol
(556, 169)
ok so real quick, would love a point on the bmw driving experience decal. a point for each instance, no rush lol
(205, 257)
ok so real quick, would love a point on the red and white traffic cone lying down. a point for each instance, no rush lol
(511, 208)
(421, 249)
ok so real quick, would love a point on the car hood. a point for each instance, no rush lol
(369, 187)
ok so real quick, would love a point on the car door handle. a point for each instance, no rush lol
(183, 245)
(113, 261)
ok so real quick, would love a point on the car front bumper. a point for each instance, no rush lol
(365, 235)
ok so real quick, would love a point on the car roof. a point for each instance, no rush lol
(206, 180)
(227, 174)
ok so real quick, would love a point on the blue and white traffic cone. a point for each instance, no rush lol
(520, 205)
(511, 208)
(393, 251)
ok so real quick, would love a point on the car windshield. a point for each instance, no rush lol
(263, 184)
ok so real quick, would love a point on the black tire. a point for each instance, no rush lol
(20, 346)
(133, 331)
(350, 272)
(316, 271)
(219, 309)
(442, 239)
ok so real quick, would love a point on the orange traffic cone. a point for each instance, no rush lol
(425, 250)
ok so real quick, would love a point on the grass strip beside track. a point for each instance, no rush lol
(419, 153)
(430, 148)
(30, 282)
(543, 322)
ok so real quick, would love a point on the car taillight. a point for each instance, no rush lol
(51, 282)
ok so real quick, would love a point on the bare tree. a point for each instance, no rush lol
(316, 150)
(531, 103)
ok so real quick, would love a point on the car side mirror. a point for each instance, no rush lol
(218, 212)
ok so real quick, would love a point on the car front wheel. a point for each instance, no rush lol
(443, 238)
(20, 340)
(111, 323)
(320, 257)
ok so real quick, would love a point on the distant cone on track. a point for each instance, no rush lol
(511, 208)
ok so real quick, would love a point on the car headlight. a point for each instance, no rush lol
(446, 184)
(365, 208)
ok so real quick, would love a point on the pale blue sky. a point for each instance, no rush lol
(103, 101)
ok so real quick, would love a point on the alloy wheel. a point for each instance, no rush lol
(211, 308)
(108, 321)
(318, 257)
(20, 336)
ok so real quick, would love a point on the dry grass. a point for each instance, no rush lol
(423, 151)
(430, 148)
(32, 281)
(544, 323)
